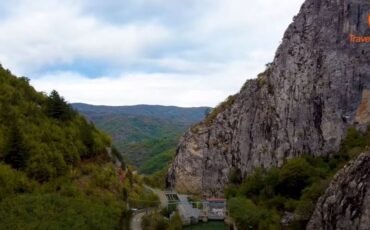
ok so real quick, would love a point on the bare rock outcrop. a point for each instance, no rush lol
(346, 202)
(316, 87)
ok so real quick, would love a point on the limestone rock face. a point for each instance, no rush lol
(346, 203)
(316, 87)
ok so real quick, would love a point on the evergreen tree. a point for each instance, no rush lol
(58, 108)
(87, 137)
(15, 153)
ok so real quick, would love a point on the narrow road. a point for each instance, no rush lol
(137, 217)
(136, 221)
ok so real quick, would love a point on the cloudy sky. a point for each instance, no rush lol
(168, 52)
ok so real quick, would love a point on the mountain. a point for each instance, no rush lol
(317, 87)
(145, 134)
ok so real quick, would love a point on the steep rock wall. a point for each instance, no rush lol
(316, 87)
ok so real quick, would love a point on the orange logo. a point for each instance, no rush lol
(359, 39)
(368, 19)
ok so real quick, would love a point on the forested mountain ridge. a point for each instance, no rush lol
(145, 134)
(186, 115)
(56, 168)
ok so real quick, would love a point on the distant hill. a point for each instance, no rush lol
(145, 134)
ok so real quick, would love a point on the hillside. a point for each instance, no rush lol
(145, 134)
(56, 169)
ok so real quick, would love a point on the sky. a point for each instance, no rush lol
(126, 52)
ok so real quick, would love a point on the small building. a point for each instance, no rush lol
(216, 209)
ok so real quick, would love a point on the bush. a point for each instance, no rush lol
(220, 108)
(154, 221)
(44, 166)
(176, 222)
(13, 182)
(249, 216)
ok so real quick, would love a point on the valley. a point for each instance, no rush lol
(146, 135)
(289, 150)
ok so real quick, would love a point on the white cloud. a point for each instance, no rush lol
(38, 35)
(164, 89)
(198, 53)
(199, 85)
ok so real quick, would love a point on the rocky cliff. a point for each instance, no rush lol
(316, 87)
(346, 203)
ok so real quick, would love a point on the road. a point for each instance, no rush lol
(137, 217)
(136, 221)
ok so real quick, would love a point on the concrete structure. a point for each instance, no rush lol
(215, 209)
(193, 212)
(189, 215)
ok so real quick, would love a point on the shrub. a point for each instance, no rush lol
(249, 216)
(220, 108)
(13, 182)
(154, 221)
(176, 222)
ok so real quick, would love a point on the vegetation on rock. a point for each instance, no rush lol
(220, 108)
(264, 198)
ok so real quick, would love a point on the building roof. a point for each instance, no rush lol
(216, 200)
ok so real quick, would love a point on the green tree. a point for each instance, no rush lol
(294, 177)
(249, 216)
(16, 154)
(58, 108)
(87, 137)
